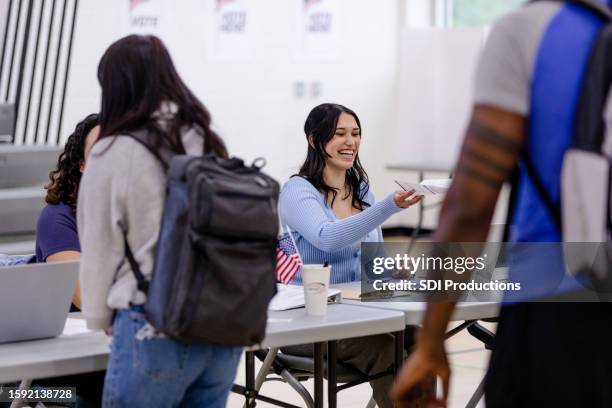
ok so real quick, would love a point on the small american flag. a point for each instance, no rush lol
(288, 260)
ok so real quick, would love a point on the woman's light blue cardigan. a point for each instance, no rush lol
(321, 237)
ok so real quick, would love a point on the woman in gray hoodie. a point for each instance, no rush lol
(121, 198)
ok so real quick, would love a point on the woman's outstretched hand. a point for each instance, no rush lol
(402, 198)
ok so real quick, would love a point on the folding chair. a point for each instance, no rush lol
(294, 370)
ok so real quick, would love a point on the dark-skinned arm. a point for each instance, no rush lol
(490, 152)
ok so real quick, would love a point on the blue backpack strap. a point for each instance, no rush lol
(553, 208)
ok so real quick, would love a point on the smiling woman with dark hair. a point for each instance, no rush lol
(328, 205)
(330, 209)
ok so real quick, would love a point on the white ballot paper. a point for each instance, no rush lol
(75, 326)
(292, 297)
(426, 187)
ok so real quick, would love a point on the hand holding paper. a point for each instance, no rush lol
(426, 187)
(405, 199)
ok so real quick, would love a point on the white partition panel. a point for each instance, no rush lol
(435, 92)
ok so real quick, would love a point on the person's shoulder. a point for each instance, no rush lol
(121, 154)
(297, 182)
(298, 187)
(52, 210)
(112, 149)
(114, 143)
(522, 20)
(52, 214)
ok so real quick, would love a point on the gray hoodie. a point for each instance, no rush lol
(121, 194)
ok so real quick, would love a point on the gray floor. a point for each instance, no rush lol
(468, 362)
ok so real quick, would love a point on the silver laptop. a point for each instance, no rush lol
(35, 299)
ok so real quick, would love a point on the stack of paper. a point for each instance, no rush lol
(75, 326)
(292, 297)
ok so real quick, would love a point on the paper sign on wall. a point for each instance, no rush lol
(436, 75)
(317, 29)
(145, 16)
(231, 30)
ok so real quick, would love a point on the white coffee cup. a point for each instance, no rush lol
(315, 279)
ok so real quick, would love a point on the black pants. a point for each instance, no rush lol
(552, 355)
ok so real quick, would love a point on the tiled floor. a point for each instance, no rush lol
(468, 360)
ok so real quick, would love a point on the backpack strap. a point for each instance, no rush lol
(514, 185)
(178, 165)
(554, 210)
(164, 155)
(142, 283)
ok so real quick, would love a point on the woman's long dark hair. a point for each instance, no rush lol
(319, 128)
(136, 74)
(65, 179)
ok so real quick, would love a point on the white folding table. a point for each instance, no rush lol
(293, 327)
(63, 355)
(467, 312)
(79, 351)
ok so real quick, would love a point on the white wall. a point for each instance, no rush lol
(253, 102)
(3, 11)
(419, 13)
(3, 14)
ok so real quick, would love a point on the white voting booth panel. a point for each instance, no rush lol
(435, 92)
(436, 71)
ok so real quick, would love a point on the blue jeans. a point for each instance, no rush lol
(149, 370)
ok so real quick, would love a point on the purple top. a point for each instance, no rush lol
(56, 231)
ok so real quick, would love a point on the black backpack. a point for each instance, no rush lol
(214, 270)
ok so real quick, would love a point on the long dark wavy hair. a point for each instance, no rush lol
(65, 179)
(319, 128)
(137, 74)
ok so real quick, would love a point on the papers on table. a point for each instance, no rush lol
(426, 187)
(75, 326)
(352, 292)
(292, 297)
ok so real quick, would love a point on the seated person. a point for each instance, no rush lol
(329, 209)
(57, 238)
